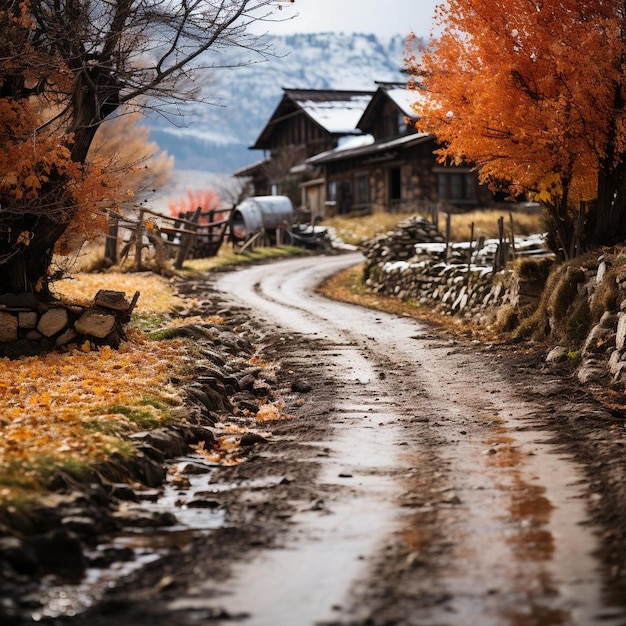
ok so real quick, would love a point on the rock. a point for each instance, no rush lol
(111, 554)
(152, 474)
(60, 549)
(620, 337)
(122, 491)
(202, 504)
(212, 400)
(81, 525)
(245, 401)
(246, 382)
(52, 322)
(65, 338)
(8, 327)
(558, 354)
(261, 388)
(599, 340)
(95, 324)
(146, 519)
(301, 386)
(592, 370)
(191, 468)
(166, 441)
(251, 439)
(608, 320)
(27, 319)
(114, 300)
(19, 555)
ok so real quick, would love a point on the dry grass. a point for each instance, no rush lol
(227, 258)
(355, 230)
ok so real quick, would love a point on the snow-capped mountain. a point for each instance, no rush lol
(215, 138)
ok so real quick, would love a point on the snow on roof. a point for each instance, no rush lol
(405, 98)
(367, 146)
(337, 116)
(347, 143)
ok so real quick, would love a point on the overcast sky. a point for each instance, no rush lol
(382, 17)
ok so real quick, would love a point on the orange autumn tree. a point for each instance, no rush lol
(532, 93)
(205, 200)
(66, 67)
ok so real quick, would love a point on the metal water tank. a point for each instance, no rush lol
(260, 212)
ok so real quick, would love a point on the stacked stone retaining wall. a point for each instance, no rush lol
(29, 327)
(409, 263)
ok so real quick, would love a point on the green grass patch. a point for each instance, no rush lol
(141, 417)
(227, 258)
(148, 322)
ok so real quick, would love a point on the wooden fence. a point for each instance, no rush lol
(196, 234)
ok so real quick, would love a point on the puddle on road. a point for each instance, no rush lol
(522, 554)
(59, 597)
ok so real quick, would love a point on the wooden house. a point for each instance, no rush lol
(390, 166)
(337, 152)
(306, 122)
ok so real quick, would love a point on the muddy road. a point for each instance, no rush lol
(422, 482)
(451, 505)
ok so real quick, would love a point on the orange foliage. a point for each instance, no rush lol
(33, 158)
(205, 200)
(526, 91)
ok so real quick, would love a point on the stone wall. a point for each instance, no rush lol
(29, 327)
(409, 263)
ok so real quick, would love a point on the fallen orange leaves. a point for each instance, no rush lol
(72, 408)
(157, 294)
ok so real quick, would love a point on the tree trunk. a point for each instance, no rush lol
(28, 236)
(610, 213)
(25, 269)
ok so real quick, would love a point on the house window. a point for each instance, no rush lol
(457, 186)
(274, 189)
(362, 189)
(332, 191)
(403, 127)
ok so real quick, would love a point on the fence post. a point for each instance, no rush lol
(187, 240)
(469, 255)
(139, 241)
(448, 231)
(110, 246)
(512, 226)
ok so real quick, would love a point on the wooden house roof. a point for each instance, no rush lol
(335, 112)
(398, 93)
(370, 148)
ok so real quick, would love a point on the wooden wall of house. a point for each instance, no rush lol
(401, 183)
(299, 131)
(390, 122)
(405, 181)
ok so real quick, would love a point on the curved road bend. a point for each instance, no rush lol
(454, 510)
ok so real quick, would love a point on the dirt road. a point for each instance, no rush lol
(450, 505)
(422, 482)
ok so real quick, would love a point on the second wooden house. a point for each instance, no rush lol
(392, 167)
(356, 152)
